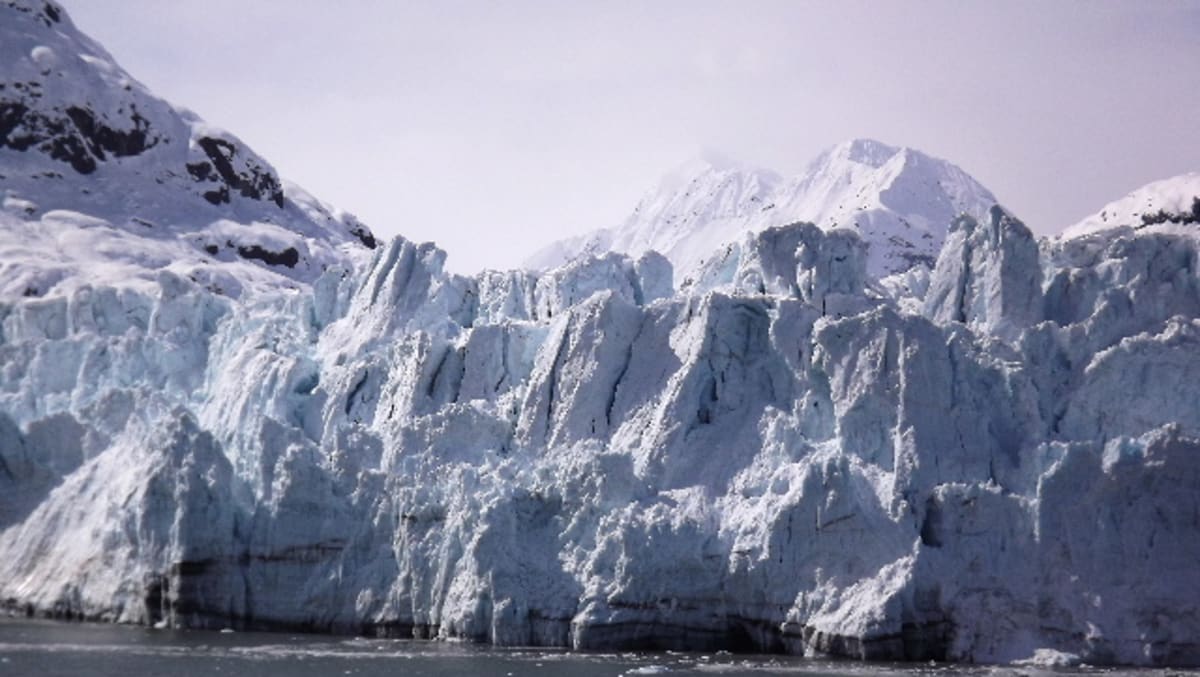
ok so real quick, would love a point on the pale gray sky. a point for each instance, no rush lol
(492, 128)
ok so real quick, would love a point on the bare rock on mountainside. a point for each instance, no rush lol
(80, 136)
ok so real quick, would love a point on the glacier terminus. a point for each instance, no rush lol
(862, 412)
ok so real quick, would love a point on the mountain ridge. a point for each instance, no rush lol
(81, 135)
(1161, 205)
(900, 199)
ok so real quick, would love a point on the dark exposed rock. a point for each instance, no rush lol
(219, 196)
(22, 128)
(255, 182)
(71, 150)
(201, 171)
(363, 234)
(914, 260)
(1163, 216)
(50, 14)
(11, 113)
(75, 136)
(102, 139)
(82, 138)
(288, 257)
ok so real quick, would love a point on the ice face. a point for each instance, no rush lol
(987, 275)
(991, 460)
(568, 459)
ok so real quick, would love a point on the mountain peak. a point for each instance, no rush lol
(707, 162)
(718, 160)
(899, 200)
(863, 151)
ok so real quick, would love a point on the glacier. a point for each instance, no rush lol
(992, 459)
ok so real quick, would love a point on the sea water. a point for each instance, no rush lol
(51, 649)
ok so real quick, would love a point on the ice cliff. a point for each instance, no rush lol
(994, 460)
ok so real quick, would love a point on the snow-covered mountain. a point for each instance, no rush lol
(996, 460)
(1162, 206)
(91, 161)
(899, 200)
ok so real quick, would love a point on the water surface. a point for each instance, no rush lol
(53, 649)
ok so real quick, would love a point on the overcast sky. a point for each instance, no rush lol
(493, 128)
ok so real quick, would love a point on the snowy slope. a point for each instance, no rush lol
(780, 457)
(695, 209)
(1162, 205)
(898, 199)
(81, 141)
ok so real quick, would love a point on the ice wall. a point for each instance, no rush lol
(779, 457)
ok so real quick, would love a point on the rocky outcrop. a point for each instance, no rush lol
(79, 134)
